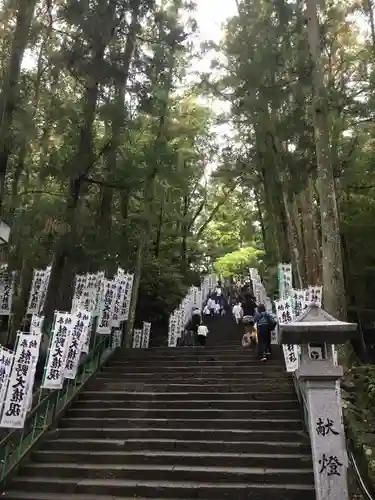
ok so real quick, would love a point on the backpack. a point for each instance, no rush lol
(267, 319)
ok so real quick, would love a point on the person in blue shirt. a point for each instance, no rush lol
(265, 324)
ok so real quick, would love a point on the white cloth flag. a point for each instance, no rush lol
(88, 298)
(6, 291)
(315, 295)
(80, 287)
(285, 280)
(172, 333)
(99, 289)
(137, 338)
(36, 324)
(21, 381)
(55, 366)
(116, 339)
(36, 330)
(145, 335)
(44, 288)
(121, 281)
(36, 291)
(298, 301)
(125, 308)
(80, 323)
(6, 362)
(291, 357)
(86, 343)
(107, 303)
(284, 311)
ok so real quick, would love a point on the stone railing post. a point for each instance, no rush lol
(317, 332)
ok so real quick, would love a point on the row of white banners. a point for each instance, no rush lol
(94, 297)
(291, 304)
(70, 338)
(107, 298)
(196, 297)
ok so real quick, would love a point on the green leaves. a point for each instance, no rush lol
(238, 262)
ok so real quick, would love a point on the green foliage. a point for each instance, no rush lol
(237, 262)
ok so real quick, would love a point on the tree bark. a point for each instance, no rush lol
(82, 163)
(333, 278)
(25, 12)
(118, 122)
(310, 235)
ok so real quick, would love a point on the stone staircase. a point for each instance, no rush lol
(209, 423)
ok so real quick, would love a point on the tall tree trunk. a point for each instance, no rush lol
(292, 233)
(368, 7)
(269, 246)
(149, 190)
(118, 122)
(333, 278)
(184, 233)
(297, 227)
(310, 235)
(159, 230)
(81, 165)
(25, 12)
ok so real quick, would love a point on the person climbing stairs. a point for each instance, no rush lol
(208, 422)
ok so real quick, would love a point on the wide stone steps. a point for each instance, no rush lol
(175, 433)
(156, 402)
(165, 423)
(177, 424)
(179, 445)
(178, 490)
(169, 472)
(128, 386)
(148, 395)
(188, 414)
(169, 458)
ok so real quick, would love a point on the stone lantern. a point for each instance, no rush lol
(318, 374)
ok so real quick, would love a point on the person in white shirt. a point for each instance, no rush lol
(206, 310)
(217, 308)
(211, 305)
(202, 334)
(237, 312)
(196, 319)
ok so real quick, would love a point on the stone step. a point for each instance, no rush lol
(133, 385)
(184, 413)
(173, 375)
(211, 459)
(179, 445)
(188, 433)
(195, 352)
(188, 396)
(166, 489)
(233, 346)
(22, 495)
(153, 403)
(169, 473)
(234, 379)
(199, 360)
(250, 357)
(183, 423)
(209, 369)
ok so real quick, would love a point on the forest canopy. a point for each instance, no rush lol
(106, 144)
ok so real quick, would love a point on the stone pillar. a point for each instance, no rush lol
(326, 433)
(316, 332)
